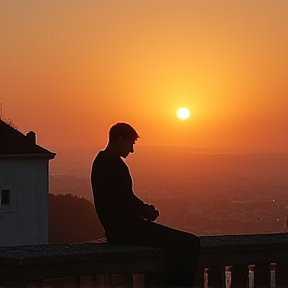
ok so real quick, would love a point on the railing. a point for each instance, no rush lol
(226, 261)
(245, 261)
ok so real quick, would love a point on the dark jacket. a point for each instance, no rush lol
(114, 200)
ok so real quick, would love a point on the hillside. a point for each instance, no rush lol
(72, 219)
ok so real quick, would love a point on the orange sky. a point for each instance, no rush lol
(70, 69)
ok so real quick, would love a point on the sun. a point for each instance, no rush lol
(183, 113)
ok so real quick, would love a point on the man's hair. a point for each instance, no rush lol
(123, 130)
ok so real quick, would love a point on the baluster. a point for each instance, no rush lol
(228, 272)
(50, 283)
(121, 280)
(206, 277)
(87, 282)
(262, 275)
(138, 280)
(103, 281)
(281, 274)
(272, 275)
(69, 282)
(199, 280)
(239, 276)
(251, 276)
(216, 276)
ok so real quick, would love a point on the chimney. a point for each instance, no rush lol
(32, 136)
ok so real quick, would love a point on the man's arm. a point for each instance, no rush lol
(151, 214)
(114, 183)
(148, 212)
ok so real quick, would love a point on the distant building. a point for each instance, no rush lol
(24, 178)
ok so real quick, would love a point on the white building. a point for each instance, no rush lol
(24, 179)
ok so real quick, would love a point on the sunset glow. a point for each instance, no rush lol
(70, 69)
(203, 84)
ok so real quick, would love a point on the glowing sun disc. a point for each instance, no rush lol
(183, 113)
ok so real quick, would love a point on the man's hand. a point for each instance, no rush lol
(150, 213)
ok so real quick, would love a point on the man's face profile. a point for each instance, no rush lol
(126, 146)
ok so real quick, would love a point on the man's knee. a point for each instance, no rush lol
(196, 240)
(192, 241)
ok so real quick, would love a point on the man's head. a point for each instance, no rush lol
(122, 137)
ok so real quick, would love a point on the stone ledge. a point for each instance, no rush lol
(99, 250)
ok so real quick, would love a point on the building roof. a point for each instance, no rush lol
(14, 143)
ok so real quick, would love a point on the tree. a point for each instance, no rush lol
(72, 219)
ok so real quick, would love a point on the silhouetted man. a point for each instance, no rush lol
(128, 220)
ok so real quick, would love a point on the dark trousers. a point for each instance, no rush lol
(184, 247)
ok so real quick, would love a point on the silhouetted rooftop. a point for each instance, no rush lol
(14, 143)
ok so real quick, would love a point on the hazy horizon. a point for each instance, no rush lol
(193, 150)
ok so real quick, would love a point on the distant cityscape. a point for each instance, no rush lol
(230, 194)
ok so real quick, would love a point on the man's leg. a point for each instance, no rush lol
(184, 246)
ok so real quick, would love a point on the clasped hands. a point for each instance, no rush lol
(150, 213)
